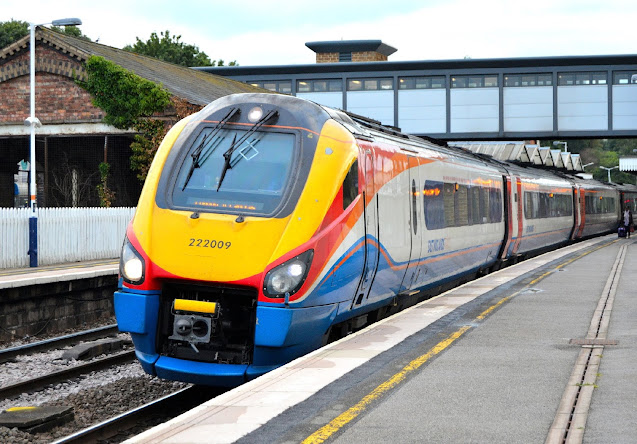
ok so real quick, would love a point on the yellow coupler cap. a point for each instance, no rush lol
(36, 419)
(195, 306)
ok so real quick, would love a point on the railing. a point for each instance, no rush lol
(64, 234)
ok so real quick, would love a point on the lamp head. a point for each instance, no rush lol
(74, 21)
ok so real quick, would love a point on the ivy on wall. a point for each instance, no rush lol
(106, 195)
(129, 102)
(124, 96)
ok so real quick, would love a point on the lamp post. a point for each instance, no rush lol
(556, 143)
(608, 169)
(588, 164)
(34, 122)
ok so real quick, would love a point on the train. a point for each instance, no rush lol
(270, 225)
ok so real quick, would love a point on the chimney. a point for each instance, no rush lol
(351, 51)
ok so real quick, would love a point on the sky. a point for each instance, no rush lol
(259, 33)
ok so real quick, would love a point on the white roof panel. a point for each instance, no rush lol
(628, 164)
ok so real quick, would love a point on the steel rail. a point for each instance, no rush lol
(35, 384)
(58, 342)
(168, 406)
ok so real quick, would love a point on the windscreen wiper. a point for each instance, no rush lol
(226, 161)
(196, 154)
(227, 156)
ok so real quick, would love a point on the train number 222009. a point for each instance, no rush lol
(208, 243)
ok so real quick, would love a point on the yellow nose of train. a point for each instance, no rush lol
(237, 189)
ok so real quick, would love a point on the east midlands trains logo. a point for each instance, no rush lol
(435, 245)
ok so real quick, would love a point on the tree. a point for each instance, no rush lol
(170, 49)
(12, 31)
(73, 31)
(603, 152)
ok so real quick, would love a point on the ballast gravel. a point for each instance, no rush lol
(109, 320)
(37, 364)
(94, 398)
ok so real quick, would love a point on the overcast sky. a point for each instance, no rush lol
(275, 32)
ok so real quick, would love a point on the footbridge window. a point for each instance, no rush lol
(282, 86)
(370, 84)
(327, 85)
(522, 80)
(625, 78)
(476, 81)
(434, 82)
(582, 78)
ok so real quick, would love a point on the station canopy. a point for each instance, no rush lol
(524, 152)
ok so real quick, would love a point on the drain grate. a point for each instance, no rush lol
(584, 341)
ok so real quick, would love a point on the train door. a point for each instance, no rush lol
(577, 219)
(508, 211)
(582, 212)
(416, 227)
(372, 243)
(518, 224)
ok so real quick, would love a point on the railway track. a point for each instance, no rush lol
(58, 342)
(38, 383)
(141, 418)
(35, 383)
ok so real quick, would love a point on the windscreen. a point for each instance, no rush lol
(235, 171)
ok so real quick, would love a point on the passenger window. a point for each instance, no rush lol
(449, 200)
(475, 205)
(462, 213)
(433, 205)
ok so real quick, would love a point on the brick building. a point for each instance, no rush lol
(351, 51)
(73, 140)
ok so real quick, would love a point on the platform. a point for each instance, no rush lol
(544, 351)
(53, 299)
(23, 277)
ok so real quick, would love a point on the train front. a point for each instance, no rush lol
(228, 240)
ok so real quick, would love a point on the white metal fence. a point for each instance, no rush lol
(64, 234)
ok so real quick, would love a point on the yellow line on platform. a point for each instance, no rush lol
(337, 423)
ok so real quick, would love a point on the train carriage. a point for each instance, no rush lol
(545, 216)
(599, 208)
(269, 224)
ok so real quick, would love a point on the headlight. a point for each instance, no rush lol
(289, 276)
(131, 264)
